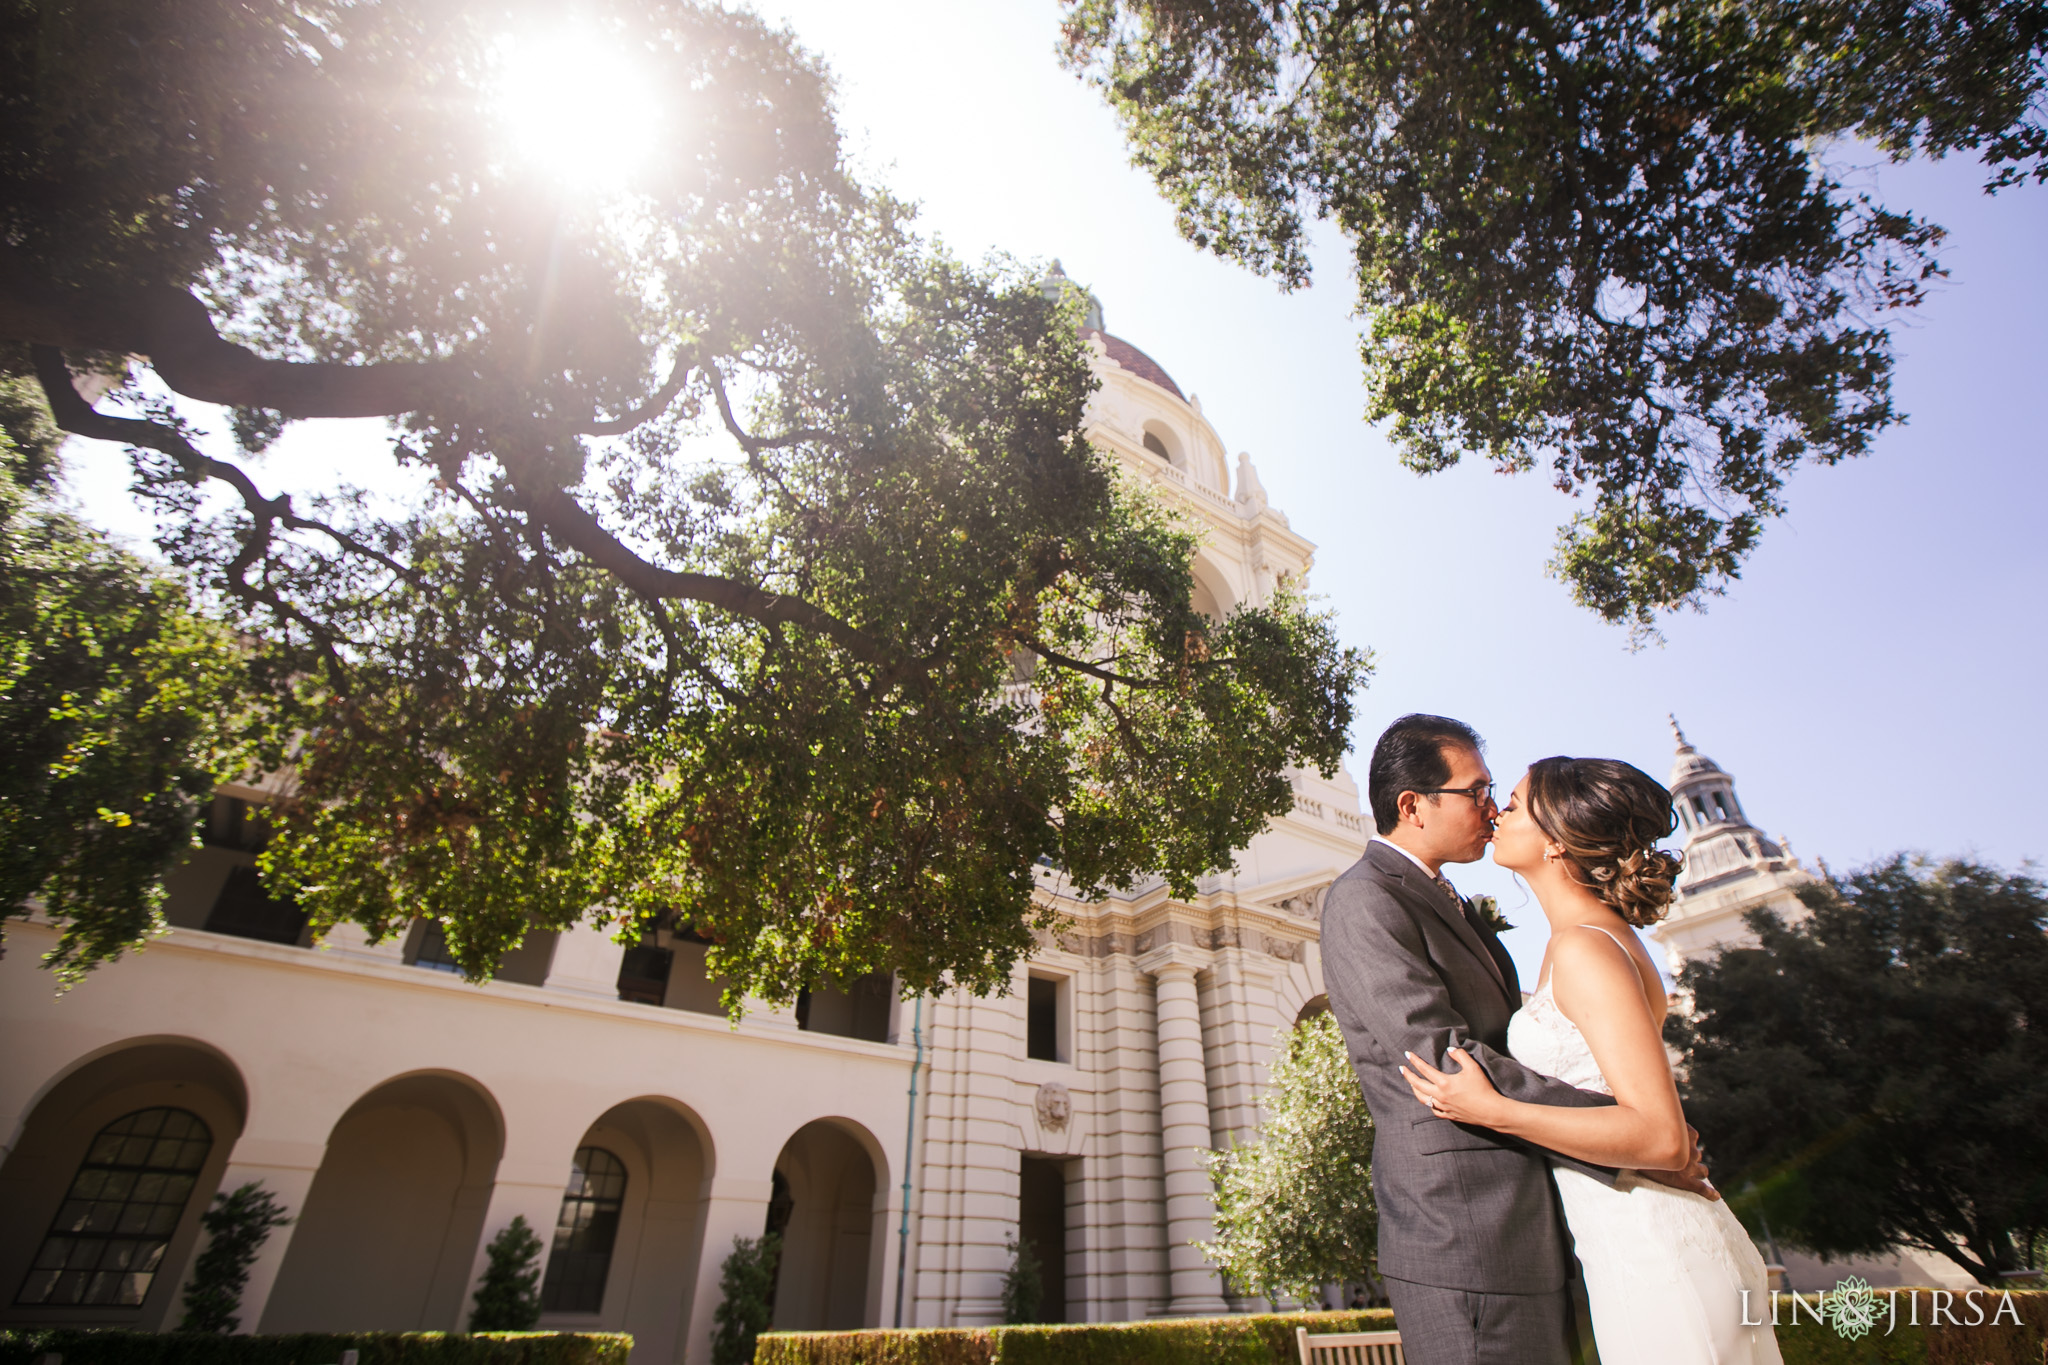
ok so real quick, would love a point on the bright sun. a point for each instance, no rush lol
(576, 108)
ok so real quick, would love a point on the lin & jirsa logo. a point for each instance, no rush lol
(1853, 1308)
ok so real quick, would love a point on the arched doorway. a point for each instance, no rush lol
(391, 1223)
(101, 1197)
(828, 1176)
(625, 1241)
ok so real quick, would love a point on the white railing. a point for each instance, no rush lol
(1181, 478)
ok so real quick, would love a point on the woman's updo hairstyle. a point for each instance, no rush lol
(1607, 817)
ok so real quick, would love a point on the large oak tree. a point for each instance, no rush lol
(1597, 235)
(1877, 1074)
(758, 574)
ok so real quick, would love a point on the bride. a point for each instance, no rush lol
(1665, 1270)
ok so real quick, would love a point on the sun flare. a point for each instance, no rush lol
(576, 108)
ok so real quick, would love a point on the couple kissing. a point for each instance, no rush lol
(1528, 1148)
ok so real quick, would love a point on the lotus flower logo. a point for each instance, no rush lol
(1852, 1308)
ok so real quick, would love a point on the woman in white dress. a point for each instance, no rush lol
(1665, 1270)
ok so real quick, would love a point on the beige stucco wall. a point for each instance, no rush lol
(407, 1116)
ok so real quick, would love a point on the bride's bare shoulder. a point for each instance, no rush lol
(1588, 964)
(1585, 944)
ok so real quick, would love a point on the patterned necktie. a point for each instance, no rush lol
(1449, 890)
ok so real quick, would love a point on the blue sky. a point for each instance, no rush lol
(1873, 681)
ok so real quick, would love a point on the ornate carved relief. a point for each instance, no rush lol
(1055, 1106)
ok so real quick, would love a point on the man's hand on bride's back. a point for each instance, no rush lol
(1693, 1178)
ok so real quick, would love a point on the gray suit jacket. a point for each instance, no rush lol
(1410, 968)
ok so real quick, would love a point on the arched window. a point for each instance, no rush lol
(1157, 446)
(108, 1238)
(584, 1233)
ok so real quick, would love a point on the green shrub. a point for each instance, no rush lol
(746, 1304)
(1023, 1285)
(237, 1226)
(911, 1346)
(508, 1297)
(111, 1347)
(1294, 1207)
(1812, 1343)
(1268, 1339)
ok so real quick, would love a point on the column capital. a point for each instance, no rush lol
(1173, 958)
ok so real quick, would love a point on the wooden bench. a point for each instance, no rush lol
(1349, 1348)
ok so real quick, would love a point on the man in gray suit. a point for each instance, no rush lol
(1472, 1245)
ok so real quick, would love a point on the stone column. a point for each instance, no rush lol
(586, 962)
(732, 1208)
(1184, 1136)
(286, 1169)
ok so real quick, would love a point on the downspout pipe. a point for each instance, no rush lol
(909, 1155)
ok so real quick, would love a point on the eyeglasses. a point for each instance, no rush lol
(1481, 793)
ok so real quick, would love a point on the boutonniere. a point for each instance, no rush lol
(1488, 910)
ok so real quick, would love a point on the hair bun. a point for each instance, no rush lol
(1643, 889)
(1608, 816)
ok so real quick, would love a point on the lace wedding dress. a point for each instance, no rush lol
(1665, 1270)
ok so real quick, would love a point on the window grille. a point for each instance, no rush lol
(584, 1234)
(108, 1239)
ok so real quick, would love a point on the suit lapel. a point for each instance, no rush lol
(1498, 951)
(1447, 907)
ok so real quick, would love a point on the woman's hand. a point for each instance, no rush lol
(1466, 1095)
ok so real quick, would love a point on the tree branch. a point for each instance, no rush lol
(1045, 651)
(175, 331)
(749, 442)
(653, 407)
(572, 524)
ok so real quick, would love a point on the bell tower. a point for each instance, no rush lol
(1731, 866)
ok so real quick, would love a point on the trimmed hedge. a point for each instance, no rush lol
(1268, 1339)
(1242, 1339)
(1812, 1343)
(86, 1346)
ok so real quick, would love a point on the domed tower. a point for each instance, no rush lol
(1731, 866)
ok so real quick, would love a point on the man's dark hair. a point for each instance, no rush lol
(1410, 758)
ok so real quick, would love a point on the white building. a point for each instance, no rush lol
(405, 1116)
(1731, 867)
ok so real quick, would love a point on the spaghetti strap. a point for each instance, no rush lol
(1611, 934)
(1543, 978)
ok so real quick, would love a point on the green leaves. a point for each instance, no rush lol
(507, 1298)
(1875, 1071)
(727, 506)
(1595, 237)
(1294, 1209)
(121, 708)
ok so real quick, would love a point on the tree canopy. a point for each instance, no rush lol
(117, 708)
(1294, 1207)
(756, 573)
(1878, 1071)
(1600, 235)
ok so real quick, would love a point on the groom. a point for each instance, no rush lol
(1472, 1245)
